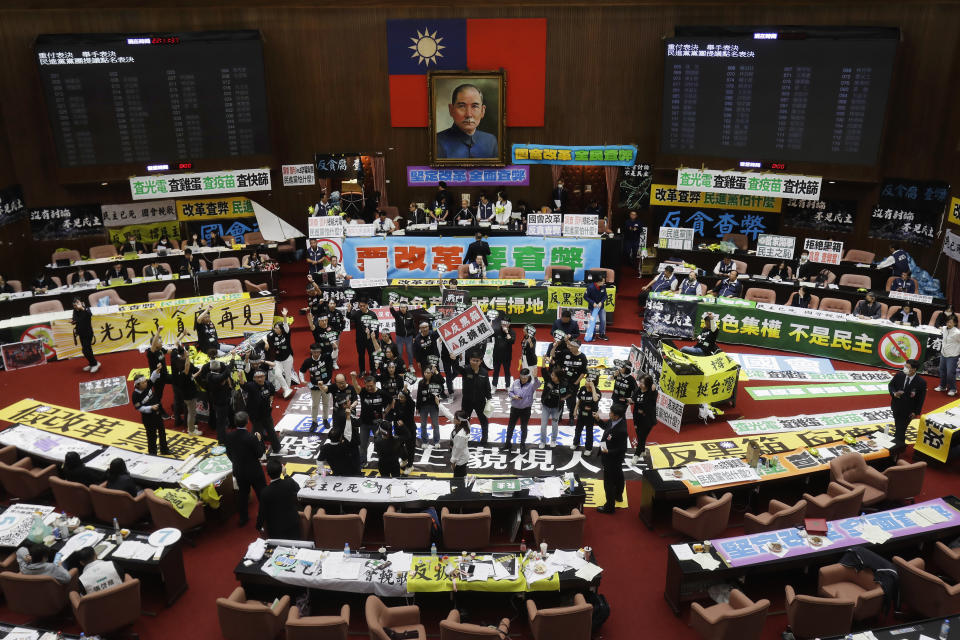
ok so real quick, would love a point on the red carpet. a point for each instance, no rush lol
(634, 557)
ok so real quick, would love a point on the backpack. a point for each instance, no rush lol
(601, 608)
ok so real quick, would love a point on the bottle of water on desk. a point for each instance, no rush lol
(433, 550)
(346, 550)
(945, 629)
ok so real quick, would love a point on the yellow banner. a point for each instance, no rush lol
(428, 575)
(214, 208)
(99, 429)
(433, 282)
(148, 232)
(934, 440)
(955, 210)
(597, 497)
(718, 382)
(573, 297)
(134, 325)
(666, 195)
(180, 499)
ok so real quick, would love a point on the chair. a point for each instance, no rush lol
(73, 274)
(814, 300)
(306, 522)
(22, 480)
(399, 619)
(37, 596)
(737, 619)
(573, 622)
(169, 292)
(110, 610)
(65, 254)
(708, 519)
(463, 272)
(947, 560)
(166, 265)
(47, 306)
(810, 616)
(851, 471)
(225, 263)
(760, 294)
(255, 288)
(232, 285)
(103, 251)
(740, 266)
(932, 321)
(777, 516)
(552, 269)
(286, 249)
(8, 454)
(110, 503)
(855, 280)
(560, 532)
(904, 480)
(916, 285)
(835, 304)
(115, 299)
(407, 530)
(318, 627)
(767, 268)
(922, 591)
(16, 285)
(844, 583)
(465, 530)
(894, 309)
(452, 629)
(253, 237)
(837, 503)
(332, 531)
(740, 240)
(858, 255)
(164, 515)
(241, 619)
(72, 497)
(513, 273)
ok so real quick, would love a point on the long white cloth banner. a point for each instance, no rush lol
(775, 424)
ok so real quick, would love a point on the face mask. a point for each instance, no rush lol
(803, 258)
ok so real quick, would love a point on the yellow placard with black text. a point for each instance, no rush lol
(667, 195)
(147, 233)
(954, 216)
(214, 208)
(573, 297)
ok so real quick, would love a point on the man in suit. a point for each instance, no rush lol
(244, 450)
(903, 283)
(478, 247)
(559, 197)
(132, 245)
(475, 393)
(279, 515)
(868, 307)
(155, 270)
(613, 449)
(730, 288)
(117, 270)
(907, 392)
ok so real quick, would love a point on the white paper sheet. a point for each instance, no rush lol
(588, 572)
(706, 561)
(481, 572)
(567, 559)
(400, 560)
(683, 551)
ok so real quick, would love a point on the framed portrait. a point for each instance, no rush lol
(467, 117)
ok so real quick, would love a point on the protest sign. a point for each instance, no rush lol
(119, 215)
(465, 330)
(298, 175)
(777, 247)
(676, 238)
(824, 251)
(103, 393)
(749, 184)
(544, 224)
(12, 207)
(58, 223)
(580, 226)
(325, 227)
(199, 184)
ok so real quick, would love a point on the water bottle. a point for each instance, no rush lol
(433, 550)
(945, 629)
(116, 526)
(523, 546)
(346, 550)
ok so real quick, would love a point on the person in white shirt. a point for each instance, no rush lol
(724, 267)
(384, 224)
(97, 575)
(337, 269)
(459, 454)
(949, 353)
(502, 209)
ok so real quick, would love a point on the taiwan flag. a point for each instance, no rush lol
(415, 47)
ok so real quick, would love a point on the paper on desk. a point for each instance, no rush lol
(874, 534)
(338, 568)
(683, 551)
(706, 561)
(19, 633)
(553, 487)
(398, 490)
(80, 540)
(588, 572)
(567, 559)
(930, 514)
(481, 572)
(255, 550)
(670, 475)
(529, 571)
(864, 635)
(400, 560)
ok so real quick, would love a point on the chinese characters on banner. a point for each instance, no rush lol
(298, 175)
(146, 232)
(955, 210)
(544, 224)
(665, 195)
(670, 316)
(210, 209)
(619, 155)
(580, 225)
(908, 211)
(823, 251)
(199, 184)
(676, 237)
(345, 166)
(710, 223)
(935, 437)
(119, 215)
(11, 205)
(830, 216)
(231, 233)
(669, 411)
(465, 330)
(55, 223)
(951, 245)
(750, 184)
(325, 227)
(635, 186)
(778, 247)
(511, 175)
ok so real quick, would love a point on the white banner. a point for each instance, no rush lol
(676, 238)
(775, 424)
(669, 411)
(951, 245)
(777, 247)
(580, 225)
(741, 183)
(545, 224)
(361, 230)
(120, 215)
(298, 175)
(722, 471)
(464, 330)
(325, 226)
(182, 185)
(824, 251)
(912, 297)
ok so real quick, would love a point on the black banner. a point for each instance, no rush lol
(713, 223)
(231, 231)
(669, 318)
(55, 223)
(635, 187)
(827, 216)
(11, 205)
(909, 211)
(343, 166)
(651, 357)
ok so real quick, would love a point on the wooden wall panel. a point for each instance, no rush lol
(327, 85)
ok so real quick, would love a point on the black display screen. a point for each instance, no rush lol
(142, 98)
(770, 97)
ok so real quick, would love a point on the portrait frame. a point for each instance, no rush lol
(440, 84)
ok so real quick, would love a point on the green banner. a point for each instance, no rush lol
(520, 304)
(817, 333)
(794, 392)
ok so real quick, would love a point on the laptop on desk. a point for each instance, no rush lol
(562, 277)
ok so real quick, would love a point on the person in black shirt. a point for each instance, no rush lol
(244, 450)
(118, 478)
(442, 198)
(574, 365)
(83, 327)
(475, 393)
(644, 413)
(157, 361)
(943, 316)
(613, 449)
(552, 397)
(132, 245)
(279, 514)
(340, 453)
(345, 399)
(425, 345)
(479, 247)
(806, 270)
(429, 392)
(155, 270)
(186, 386)
(81, 275)
(386, 446)
(259, 393)
(147, 402)
(801, 300)
(190, 264)
(632, 232)
(559, 198)
(588, 401)
(219, 390)
(319, 369)
(384, 351)
(75, 471)
(215, 240)
(363, 322)
(406, 329)
(503, 339)
(624, 384)
(707, 340)
(416, 215)
(464, 215)
(780, 271)
(392, 378)
(278, 340)
(207, 338)
(42, 283)
(373, 406)
(316, 256)
(5, 287)
(528, 348)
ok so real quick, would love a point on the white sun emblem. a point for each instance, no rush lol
(426, 47)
